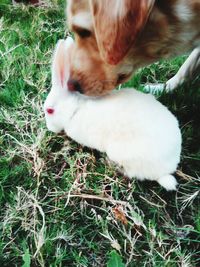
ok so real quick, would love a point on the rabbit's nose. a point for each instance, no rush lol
(74, 85)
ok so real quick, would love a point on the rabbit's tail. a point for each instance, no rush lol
(168, 182)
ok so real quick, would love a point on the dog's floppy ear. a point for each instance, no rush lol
(117, 24)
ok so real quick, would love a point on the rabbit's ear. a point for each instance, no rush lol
(68, 42)
(60, 65)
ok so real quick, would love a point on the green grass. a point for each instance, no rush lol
(43, 221)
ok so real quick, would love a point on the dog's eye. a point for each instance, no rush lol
(83, 33)
(121, 78)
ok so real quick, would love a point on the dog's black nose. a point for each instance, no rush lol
(74, 85)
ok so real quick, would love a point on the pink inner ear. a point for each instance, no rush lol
(62, 77)
(50, 110)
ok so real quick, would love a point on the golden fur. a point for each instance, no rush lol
(116, 37)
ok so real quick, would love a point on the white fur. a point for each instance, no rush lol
(134, 129)
(183, 11)
(83, 20)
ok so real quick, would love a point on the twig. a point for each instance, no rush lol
(87, 196)
(10, 50)
(151, 203)
(184, 176)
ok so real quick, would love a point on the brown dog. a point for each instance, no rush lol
(116, 37)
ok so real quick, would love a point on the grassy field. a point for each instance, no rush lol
(62, 204)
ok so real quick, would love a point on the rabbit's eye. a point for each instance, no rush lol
(50, 110)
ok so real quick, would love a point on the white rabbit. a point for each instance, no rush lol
(134, 129)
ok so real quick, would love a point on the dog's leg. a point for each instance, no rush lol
(188, 70)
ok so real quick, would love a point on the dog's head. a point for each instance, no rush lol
(105, 30)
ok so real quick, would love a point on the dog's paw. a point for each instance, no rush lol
(173, 83)
(154, 89)
(168, 87)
